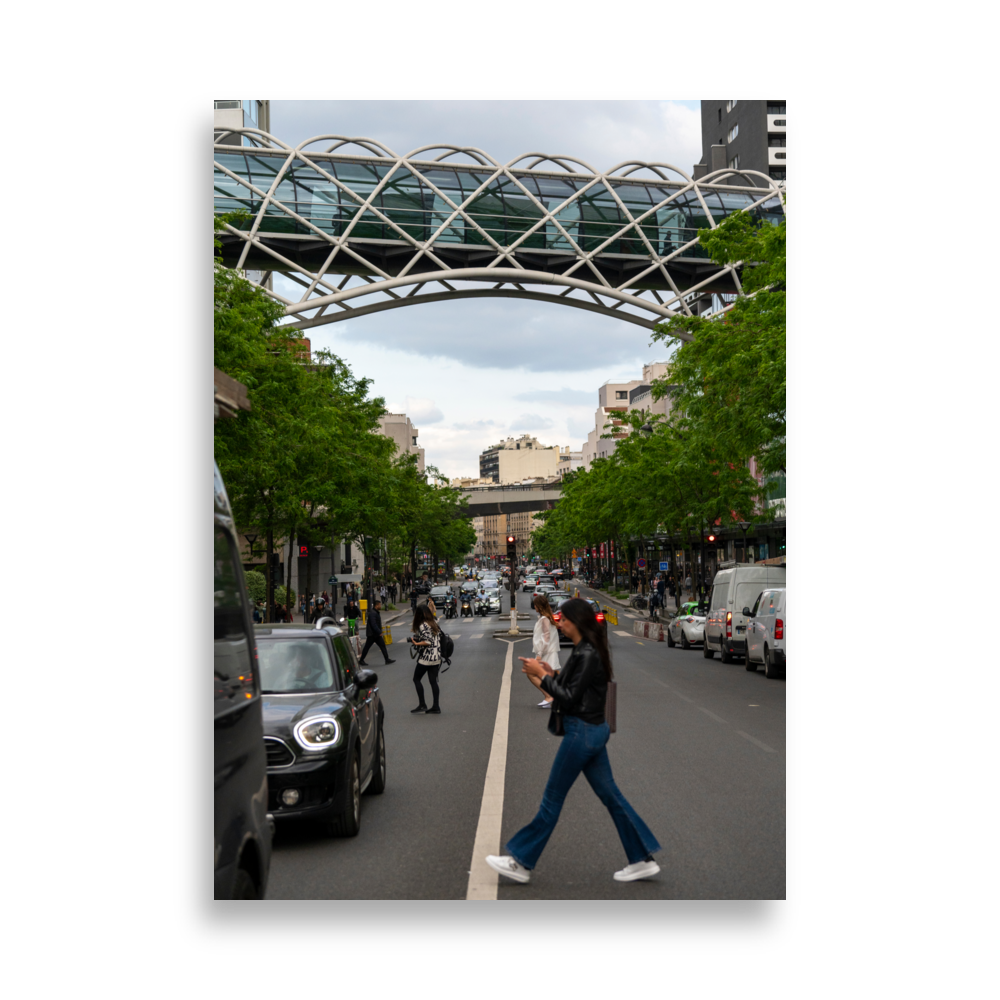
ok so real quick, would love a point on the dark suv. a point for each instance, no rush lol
(243, 829)
(323, 720)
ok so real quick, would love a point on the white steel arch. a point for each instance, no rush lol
(403, 270)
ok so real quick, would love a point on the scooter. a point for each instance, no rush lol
(466, 607)
(449, 610)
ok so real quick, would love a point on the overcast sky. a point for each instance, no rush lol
(471, 372)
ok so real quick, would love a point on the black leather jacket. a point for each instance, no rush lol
(581, 687)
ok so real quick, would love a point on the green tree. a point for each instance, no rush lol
(728, 382)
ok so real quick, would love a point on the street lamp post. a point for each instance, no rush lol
(745, 526)
(319, 565)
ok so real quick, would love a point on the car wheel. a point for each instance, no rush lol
(724, 653)
(348, 823)
(670, 639)
(705, 651)
(770, 667)
(685, 644)
(377, 785)
(244, 887)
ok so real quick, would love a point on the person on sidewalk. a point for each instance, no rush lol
(545, 639)
(580, 693)
(428, 639)
(373, 635)
(413, 598)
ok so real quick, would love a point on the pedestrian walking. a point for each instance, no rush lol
(326, 597)
(352, 612)
(580, 693)
(428, 639)
(373, 635)
(413, 598)
(545, 639)
(432, 606)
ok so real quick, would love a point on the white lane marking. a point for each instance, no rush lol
(628, 635)
(758, 743)
(482, 878)
(478, 635)
(712, 715)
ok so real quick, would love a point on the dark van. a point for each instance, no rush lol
(243, 828)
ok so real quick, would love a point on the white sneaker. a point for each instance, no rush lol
(545, 704)
(641, 869)
(506, 865)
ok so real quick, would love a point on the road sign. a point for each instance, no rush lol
(641, 563)
(332, 579)
(664, 567)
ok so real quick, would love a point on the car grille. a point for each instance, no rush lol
(278, 754)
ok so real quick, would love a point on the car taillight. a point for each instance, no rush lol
(729, 624)
(690, 620)
(779, 629)
(600, 616)
(558, 616)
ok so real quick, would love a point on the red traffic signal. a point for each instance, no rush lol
(511, 539)
(711, 538)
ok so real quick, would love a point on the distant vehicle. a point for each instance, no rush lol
(766, 633)
(599, 614)
(423, 586)
(546, 578)
(543, 588)
(323, 726)
(467, 605)
(493, 601)
(469, 587)
(687, 627)
(243, 829)
(529, 583)
(732, 591)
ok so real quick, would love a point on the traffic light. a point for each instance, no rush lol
(711, 536)
(511, 548)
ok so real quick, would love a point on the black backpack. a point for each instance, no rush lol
(447, 646)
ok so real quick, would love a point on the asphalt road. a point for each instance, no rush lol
(699, 752)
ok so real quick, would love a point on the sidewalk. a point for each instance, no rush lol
(686, 595)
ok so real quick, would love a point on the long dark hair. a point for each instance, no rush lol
(581, 614)
(542, 606)
(421, 615)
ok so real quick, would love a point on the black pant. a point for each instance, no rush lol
(374, 640)
(431, 669)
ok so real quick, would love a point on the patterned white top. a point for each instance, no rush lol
(432, 653)
(545, 642)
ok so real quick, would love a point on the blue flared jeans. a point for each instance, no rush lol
(583, 748)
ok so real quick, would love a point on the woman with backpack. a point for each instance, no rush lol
(579, 694)
(428, 640)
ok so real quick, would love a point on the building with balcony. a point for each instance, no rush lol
(743, 135)
(515, 459)
(399, 427)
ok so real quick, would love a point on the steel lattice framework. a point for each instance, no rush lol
(364, 233)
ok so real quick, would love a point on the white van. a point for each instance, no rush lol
(732, 591)
(766, 633)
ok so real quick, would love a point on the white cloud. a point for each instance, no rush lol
(528, 422)
(422, 411)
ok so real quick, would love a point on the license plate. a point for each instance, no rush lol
(740, 628)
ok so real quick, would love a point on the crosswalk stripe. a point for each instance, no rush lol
(628, 635)
(478, 636)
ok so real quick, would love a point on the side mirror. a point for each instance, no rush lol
(364, 679)
(748, 612)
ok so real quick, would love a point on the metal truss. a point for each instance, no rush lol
(547, 260)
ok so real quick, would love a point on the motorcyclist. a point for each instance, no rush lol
(320, 611)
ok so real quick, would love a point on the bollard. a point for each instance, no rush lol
(387, 634)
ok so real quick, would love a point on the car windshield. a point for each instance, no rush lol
(493, 592)
(297, 664)
(440, 592)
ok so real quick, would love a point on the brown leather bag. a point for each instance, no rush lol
(611, 706)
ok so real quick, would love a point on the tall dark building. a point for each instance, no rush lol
(743, 135)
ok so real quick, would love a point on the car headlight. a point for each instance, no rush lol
(319, 732)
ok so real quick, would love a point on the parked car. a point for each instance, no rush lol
(243, 829)
(686, 628)
(732, 591)
(599, 614)
(766, 633)
(323, 726)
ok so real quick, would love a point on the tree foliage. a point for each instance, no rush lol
(728, 382)
(307, 459)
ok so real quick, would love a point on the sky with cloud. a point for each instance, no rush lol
(473, 371)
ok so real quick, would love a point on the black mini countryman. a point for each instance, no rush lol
(322, 726)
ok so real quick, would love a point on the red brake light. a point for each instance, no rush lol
(729, 624)
(558, 616)
(779, 629)
(600, 616)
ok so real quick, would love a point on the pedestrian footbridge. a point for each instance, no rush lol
(356, 228)
(498, 499)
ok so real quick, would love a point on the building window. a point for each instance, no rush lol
(776, 140)
(776, 173)
(720, 113)
(226, 105)
(780, 121)
(730, 105)
(775, 107)
(734, 163)
(619, 394)
(734, 132)
(414, 438)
